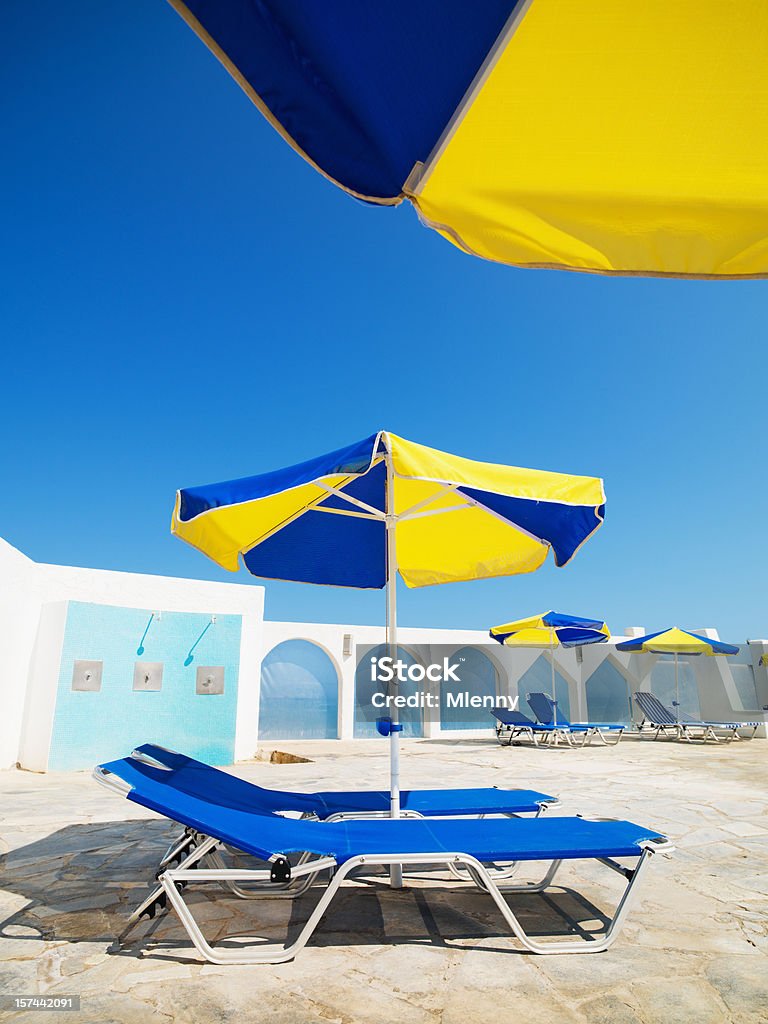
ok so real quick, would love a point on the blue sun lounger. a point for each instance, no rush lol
(658, 717)
(511, 724)
(196, 777)
(344, 847)
(547, 712)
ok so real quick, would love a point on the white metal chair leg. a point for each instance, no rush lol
(155, 896)
(607, 742)
(539, 886)
(270, 955)
(568, 946)
(279, 954)
(501, 876)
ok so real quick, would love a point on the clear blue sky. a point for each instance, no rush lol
(184, 300)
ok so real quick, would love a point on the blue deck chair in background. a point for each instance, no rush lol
(547, 712)
(341, 848)
(658, 718)
(512, 724)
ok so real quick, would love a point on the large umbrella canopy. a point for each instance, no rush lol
(325, 520)
(617, 137)
(552, 629)
(677, 641)
(357, 516)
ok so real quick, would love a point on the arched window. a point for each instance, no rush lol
(365, 687)
(299, 695)
(743, 674)
(663, 683)
(538, 678)
(608, 696)
(478, 679)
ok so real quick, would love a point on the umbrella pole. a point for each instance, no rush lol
(552, 663)
(395, 871)
(677, 696)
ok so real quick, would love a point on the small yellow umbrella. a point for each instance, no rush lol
(677, 641)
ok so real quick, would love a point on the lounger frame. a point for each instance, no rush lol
(193, 848)
(548, 733)
(517, 729)
(686, 727)
(570, 730)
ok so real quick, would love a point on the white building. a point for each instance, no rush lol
(96, 662)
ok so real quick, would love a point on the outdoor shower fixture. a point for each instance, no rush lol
(209, 679)
(158, 616)
(190, 654)
(148, 675)
(86, 675)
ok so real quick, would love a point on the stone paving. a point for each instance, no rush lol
(75, 859)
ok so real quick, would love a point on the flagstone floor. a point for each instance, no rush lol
(74, 859)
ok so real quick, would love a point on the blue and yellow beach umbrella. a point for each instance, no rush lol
(359, 515)
(615, 137)
(329, 520)
(677, 641)
(551, 630)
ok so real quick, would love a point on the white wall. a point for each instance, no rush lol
(716, 692)
(42, 687)
(331, 639)
(20, 604)
(26, 587)
(33, 600)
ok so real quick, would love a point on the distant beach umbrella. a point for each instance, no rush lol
(551, 630)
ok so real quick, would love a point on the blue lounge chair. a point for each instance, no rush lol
(548, 713)
(659, 718)
(511, 724)
(202, 779)
(347, 846)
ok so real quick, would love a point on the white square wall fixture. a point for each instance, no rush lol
(86, 675)
(209, 679)
(148, 675)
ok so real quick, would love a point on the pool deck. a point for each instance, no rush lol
(75, 859)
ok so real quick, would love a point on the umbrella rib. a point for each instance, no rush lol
(420, 172)
(375, 513)
(347, 512)
(442, 489)
(310, 507)
(434, 512)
